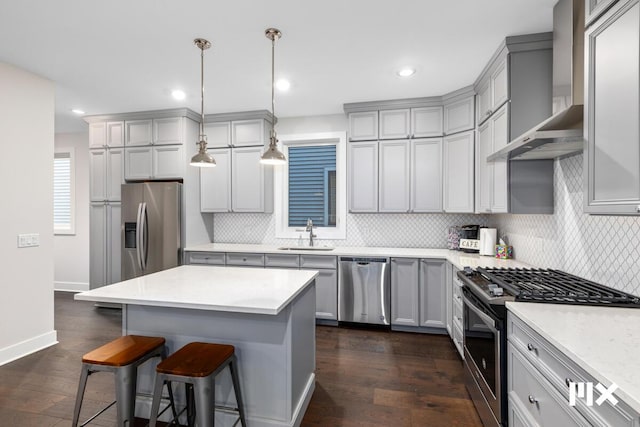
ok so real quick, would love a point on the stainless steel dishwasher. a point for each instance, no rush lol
(364, 290)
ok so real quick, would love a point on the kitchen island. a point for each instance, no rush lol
(268, 315)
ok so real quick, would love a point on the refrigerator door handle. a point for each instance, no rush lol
(145, 236)
(139, 236)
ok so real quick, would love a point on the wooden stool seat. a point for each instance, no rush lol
(123, 351)
(196, 359)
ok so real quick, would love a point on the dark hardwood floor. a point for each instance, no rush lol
(364, 378)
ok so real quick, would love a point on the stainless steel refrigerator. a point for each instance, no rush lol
(151, 237)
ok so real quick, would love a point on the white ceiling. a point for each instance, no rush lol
(122, 55)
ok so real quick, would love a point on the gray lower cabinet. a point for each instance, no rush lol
(538, 385)
(612, 114)
(404, 292)
(418, 294)
(432, 293)
(326, 294)
(449, 298)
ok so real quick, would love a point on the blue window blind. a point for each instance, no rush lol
(312, 185)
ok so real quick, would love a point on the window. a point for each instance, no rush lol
(312, 185)
(63, 192)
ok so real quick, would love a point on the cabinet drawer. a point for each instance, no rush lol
(559, 370)
(254, 260)
(280, 260)
(206, 258)
(458, 318)
(318, 261)
(457, 289)
(536, 395)
(458, 339)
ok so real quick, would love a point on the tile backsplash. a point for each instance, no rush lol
(605, 249)
(394, 230)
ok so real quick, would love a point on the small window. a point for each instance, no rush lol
(63, 193)
(312, 185)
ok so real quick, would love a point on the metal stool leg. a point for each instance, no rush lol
(191, 409)
(84, 374)
(204, 391)
(155, 403)
(236, 389)
(126, 379)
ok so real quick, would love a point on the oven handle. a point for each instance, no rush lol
(484, 316)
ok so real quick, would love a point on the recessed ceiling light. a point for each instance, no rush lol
(283, 84)
(78, 112)
(178, 94)
(406, 72)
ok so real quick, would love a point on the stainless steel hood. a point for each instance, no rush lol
(561, 134)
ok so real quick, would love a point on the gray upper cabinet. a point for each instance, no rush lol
(492, 177)
(363, 176)
(97, 135)
(595, 8)
(246, 133)
(394, 179)
(115, 134)
(363, 126)
(394, 124)
(115, 173)
(215, 183)
(167, 131)
(218, 134)
(612, 120)
(138, 132)
(168, 161)
(426, 122)
(98, 178)
(493, 89)
(513, 95)
(433, 312)
(458, 176)
(458, 116)
(238, 183)
(426, 175)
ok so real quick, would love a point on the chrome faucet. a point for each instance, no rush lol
(310, 230)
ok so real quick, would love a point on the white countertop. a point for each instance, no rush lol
(231, 289)
(457, 258)
(604, 341)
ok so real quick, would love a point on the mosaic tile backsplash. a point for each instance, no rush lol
(605, 249)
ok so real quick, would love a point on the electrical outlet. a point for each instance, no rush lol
(28, 240)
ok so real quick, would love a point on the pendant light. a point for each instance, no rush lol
(202, 158)
(273, 156)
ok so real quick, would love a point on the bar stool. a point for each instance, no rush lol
(122, 357)
(196, 365)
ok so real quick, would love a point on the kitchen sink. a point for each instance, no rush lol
(305, 248)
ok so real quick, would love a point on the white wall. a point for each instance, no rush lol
(26, 171)
(71, 252)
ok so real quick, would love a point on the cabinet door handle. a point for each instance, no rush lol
(532, 347)
(638, 208)
(526, 139)
(532, 399)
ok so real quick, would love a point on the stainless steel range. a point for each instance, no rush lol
(485, 342)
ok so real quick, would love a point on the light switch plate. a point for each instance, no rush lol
(28, 240)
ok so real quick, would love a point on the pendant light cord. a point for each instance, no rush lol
(201, 91)
(273, 85)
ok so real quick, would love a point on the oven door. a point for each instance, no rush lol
(482, 348)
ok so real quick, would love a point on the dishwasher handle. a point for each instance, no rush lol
(364, 261)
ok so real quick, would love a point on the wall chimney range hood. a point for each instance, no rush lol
(561, 134)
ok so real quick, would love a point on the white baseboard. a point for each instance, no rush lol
(24, 348)
(71, 286)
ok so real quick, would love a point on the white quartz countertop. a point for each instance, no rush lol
(457, 258)
(231, 289)
(604, 341)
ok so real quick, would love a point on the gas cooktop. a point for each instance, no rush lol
(497, 285)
